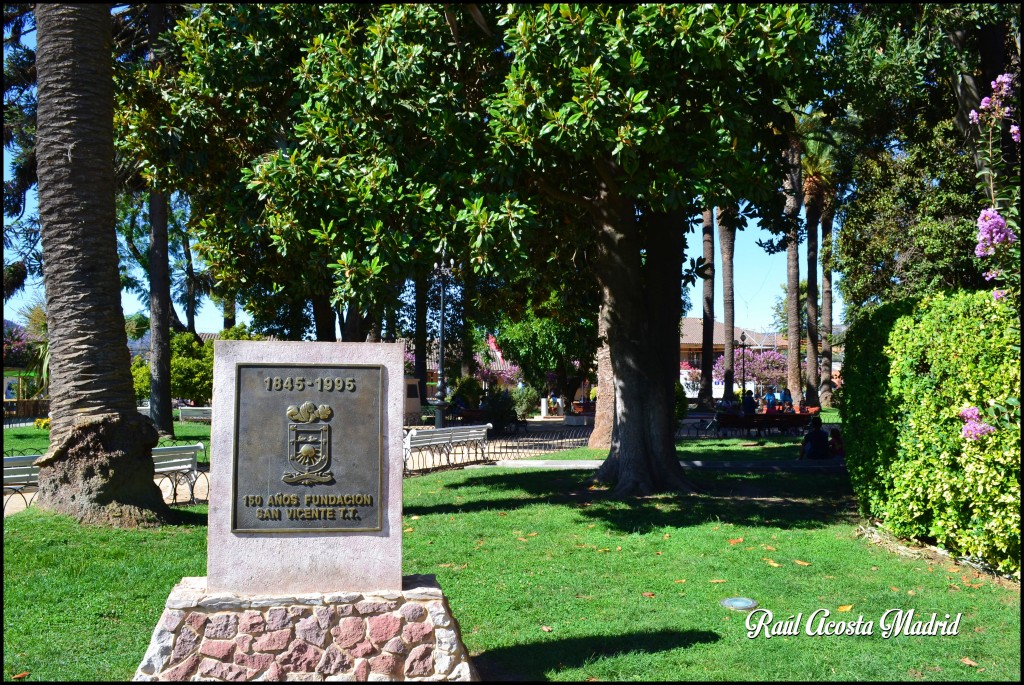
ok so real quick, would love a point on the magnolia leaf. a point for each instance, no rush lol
(845, 607)
(802, 563)
(546, 629)
(647, 594)
(735, 541)
(967, 661)
(771, 562)
(716, 581)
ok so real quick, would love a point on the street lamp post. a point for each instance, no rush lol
(438, 401)
(743, 353)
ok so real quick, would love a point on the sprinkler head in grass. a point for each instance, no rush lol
(739, 603)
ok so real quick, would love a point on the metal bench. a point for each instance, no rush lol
(441, 443)
(174, 466)
(196, 414)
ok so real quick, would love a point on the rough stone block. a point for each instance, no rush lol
(197, 620)
(171, 619)
(362, 649)
(311, 630)
(223, 601)
(334, 661)
(439, 615)
(185, 645)
(274, 641)
(396, 646)
(278, 618)
(384, 663)
(159, 651)
(446, 639)
(342, 597)
(222, 650)
(369, 607)
(419, 663)
(383, 628)
(414, 633)
(301, 657)
(221, 671)
(182, 671)
(255, 662)
(222, 626)
(251, 622)
(413, 612)
(349, 631)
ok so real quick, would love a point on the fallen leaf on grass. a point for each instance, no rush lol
(647, 594)
(522, 539)
(735, 541)
(954, 587)
(618, 549)
(802, 563)
(546, 629)
(666, 536)
(771, 562)
(530, 535)
(657, 554)
(502, 513)
(23, 674)
(874, 568)
(407, 530)
(604, 549)
(716, 581)
(769, 548)
(968, 583)
(413, 518)
(845, 607)
(911, 592)
(679, 581)
(894, 588)
(967, 661)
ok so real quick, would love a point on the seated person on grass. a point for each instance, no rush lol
(815, 445)
(836, 448)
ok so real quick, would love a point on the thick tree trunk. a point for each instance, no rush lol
(159, 317)
(642, 308)
(99, 467)
(726, 245)
(825, 390)
(707, 354)
(812, 202)
(604, 410)
(793, 187)
(323, 318)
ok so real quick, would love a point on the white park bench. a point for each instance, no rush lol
(195, 414)
(174, 465)
(441, 443)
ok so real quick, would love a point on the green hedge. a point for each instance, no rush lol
(910, 368)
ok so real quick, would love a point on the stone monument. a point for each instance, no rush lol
(304, 558)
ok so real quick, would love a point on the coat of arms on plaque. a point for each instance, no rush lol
(309, 445)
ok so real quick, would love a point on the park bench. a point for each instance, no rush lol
(441, 443)
(196, 414)
(174, 465)
(762, 422)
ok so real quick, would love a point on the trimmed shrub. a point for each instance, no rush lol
(911, 370)
(526, 400)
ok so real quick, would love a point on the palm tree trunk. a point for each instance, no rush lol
(812, 202)
(726, 246)
(159, 282)
(793, 187)
(707, 354)
(99, 468)
(825, 390)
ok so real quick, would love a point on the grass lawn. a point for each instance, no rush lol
(551, 581)
(709, 449)
(30, 440)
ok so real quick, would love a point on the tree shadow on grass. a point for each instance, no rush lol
(191, 516)
(533, 661)
(780, 500)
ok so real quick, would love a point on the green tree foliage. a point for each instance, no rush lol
(914, 464)
(908, 228)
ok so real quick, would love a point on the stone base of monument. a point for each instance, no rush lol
(355, 636)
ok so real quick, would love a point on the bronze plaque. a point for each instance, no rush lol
(308, 448)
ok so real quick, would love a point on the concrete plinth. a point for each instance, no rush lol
(355, 636)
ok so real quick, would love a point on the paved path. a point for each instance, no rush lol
(829, 466)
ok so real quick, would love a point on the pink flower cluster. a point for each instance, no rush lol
(994, 107)
(992, 231)
(974, 427)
